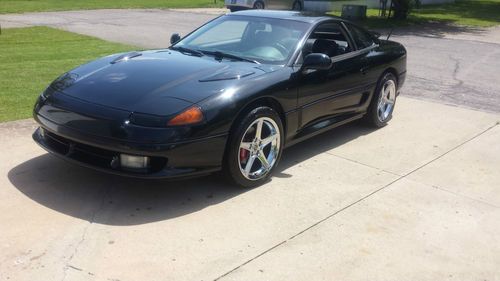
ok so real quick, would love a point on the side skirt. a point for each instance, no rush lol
(322, 127)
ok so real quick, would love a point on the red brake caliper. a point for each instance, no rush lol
(243, 155)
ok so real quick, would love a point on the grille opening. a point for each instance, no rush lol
(95, 156)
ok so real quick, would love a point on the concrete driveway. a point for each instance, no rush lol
(416, 200)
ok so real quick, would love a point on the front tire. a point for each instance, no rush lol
(254, 147)
(382, 104)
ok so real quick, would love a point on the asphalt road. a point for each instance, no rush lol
(450, 65)
(453, 71)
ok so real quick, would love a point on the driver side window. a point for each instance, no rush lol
(329, 39)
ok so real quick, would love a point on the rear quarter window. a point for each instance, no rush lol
(362, 38)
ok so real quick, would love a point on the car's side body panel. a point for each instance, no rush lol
(327, 99)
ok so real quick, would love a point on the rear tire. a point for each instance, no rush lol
(259, 5)
(254, 148)
(383, 101)
(297, 6)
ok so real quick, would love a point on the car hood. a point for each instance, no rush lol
(152, 81)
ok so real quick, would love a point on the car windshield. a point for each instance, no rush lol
(263, 40)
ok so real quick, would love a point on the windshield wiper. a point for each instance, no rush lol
(187, 50)
(219, 54)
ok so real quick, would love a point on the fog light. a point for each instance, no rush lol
(134, 162)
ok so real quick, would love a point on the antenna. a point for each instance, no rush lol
(390, 33)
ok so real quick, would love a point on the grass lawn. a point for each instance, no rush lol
(481, 13)
(30, 58)
(21, 6)
(477, 13)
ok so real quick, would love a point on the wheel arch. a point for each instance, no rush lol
(261, 101)
(391, 70)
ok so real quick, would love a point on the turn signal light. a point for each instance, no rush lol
(189, 116)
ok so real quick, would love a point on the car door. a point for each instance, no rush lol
(337, 91)
(366, 45)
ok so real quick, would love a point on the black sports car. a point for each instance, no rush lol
(229, 96)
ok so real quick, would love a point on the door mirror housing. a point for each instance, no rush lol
(175, 38)
(317, 61)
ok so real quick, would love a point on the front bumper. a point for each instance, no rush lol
(173, 160)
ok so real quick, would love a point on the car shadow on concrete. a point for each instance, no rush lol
(113, 200)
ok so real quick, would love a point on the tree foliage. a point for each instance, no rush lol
(401, 8)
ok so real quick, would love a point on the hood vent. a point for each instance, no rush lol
(228, 75)
(126, 57)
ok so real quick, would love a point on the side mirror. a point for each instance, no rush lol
(175, 38)
(317, 61)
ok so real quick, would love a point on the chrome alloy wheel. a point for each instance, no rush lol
(259, 148)
(386, 100)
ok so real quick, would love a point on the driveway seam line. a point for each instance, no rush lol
(444, 189)
(460, 195)
(309, 227)
(452, 149)
(356, 202)
(84, 235)
(363, 164)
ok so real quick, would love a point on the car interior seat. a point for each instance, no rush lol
(327, 47)
(308, 47)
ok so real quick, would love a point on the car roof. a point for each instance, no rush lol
(309, 17)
